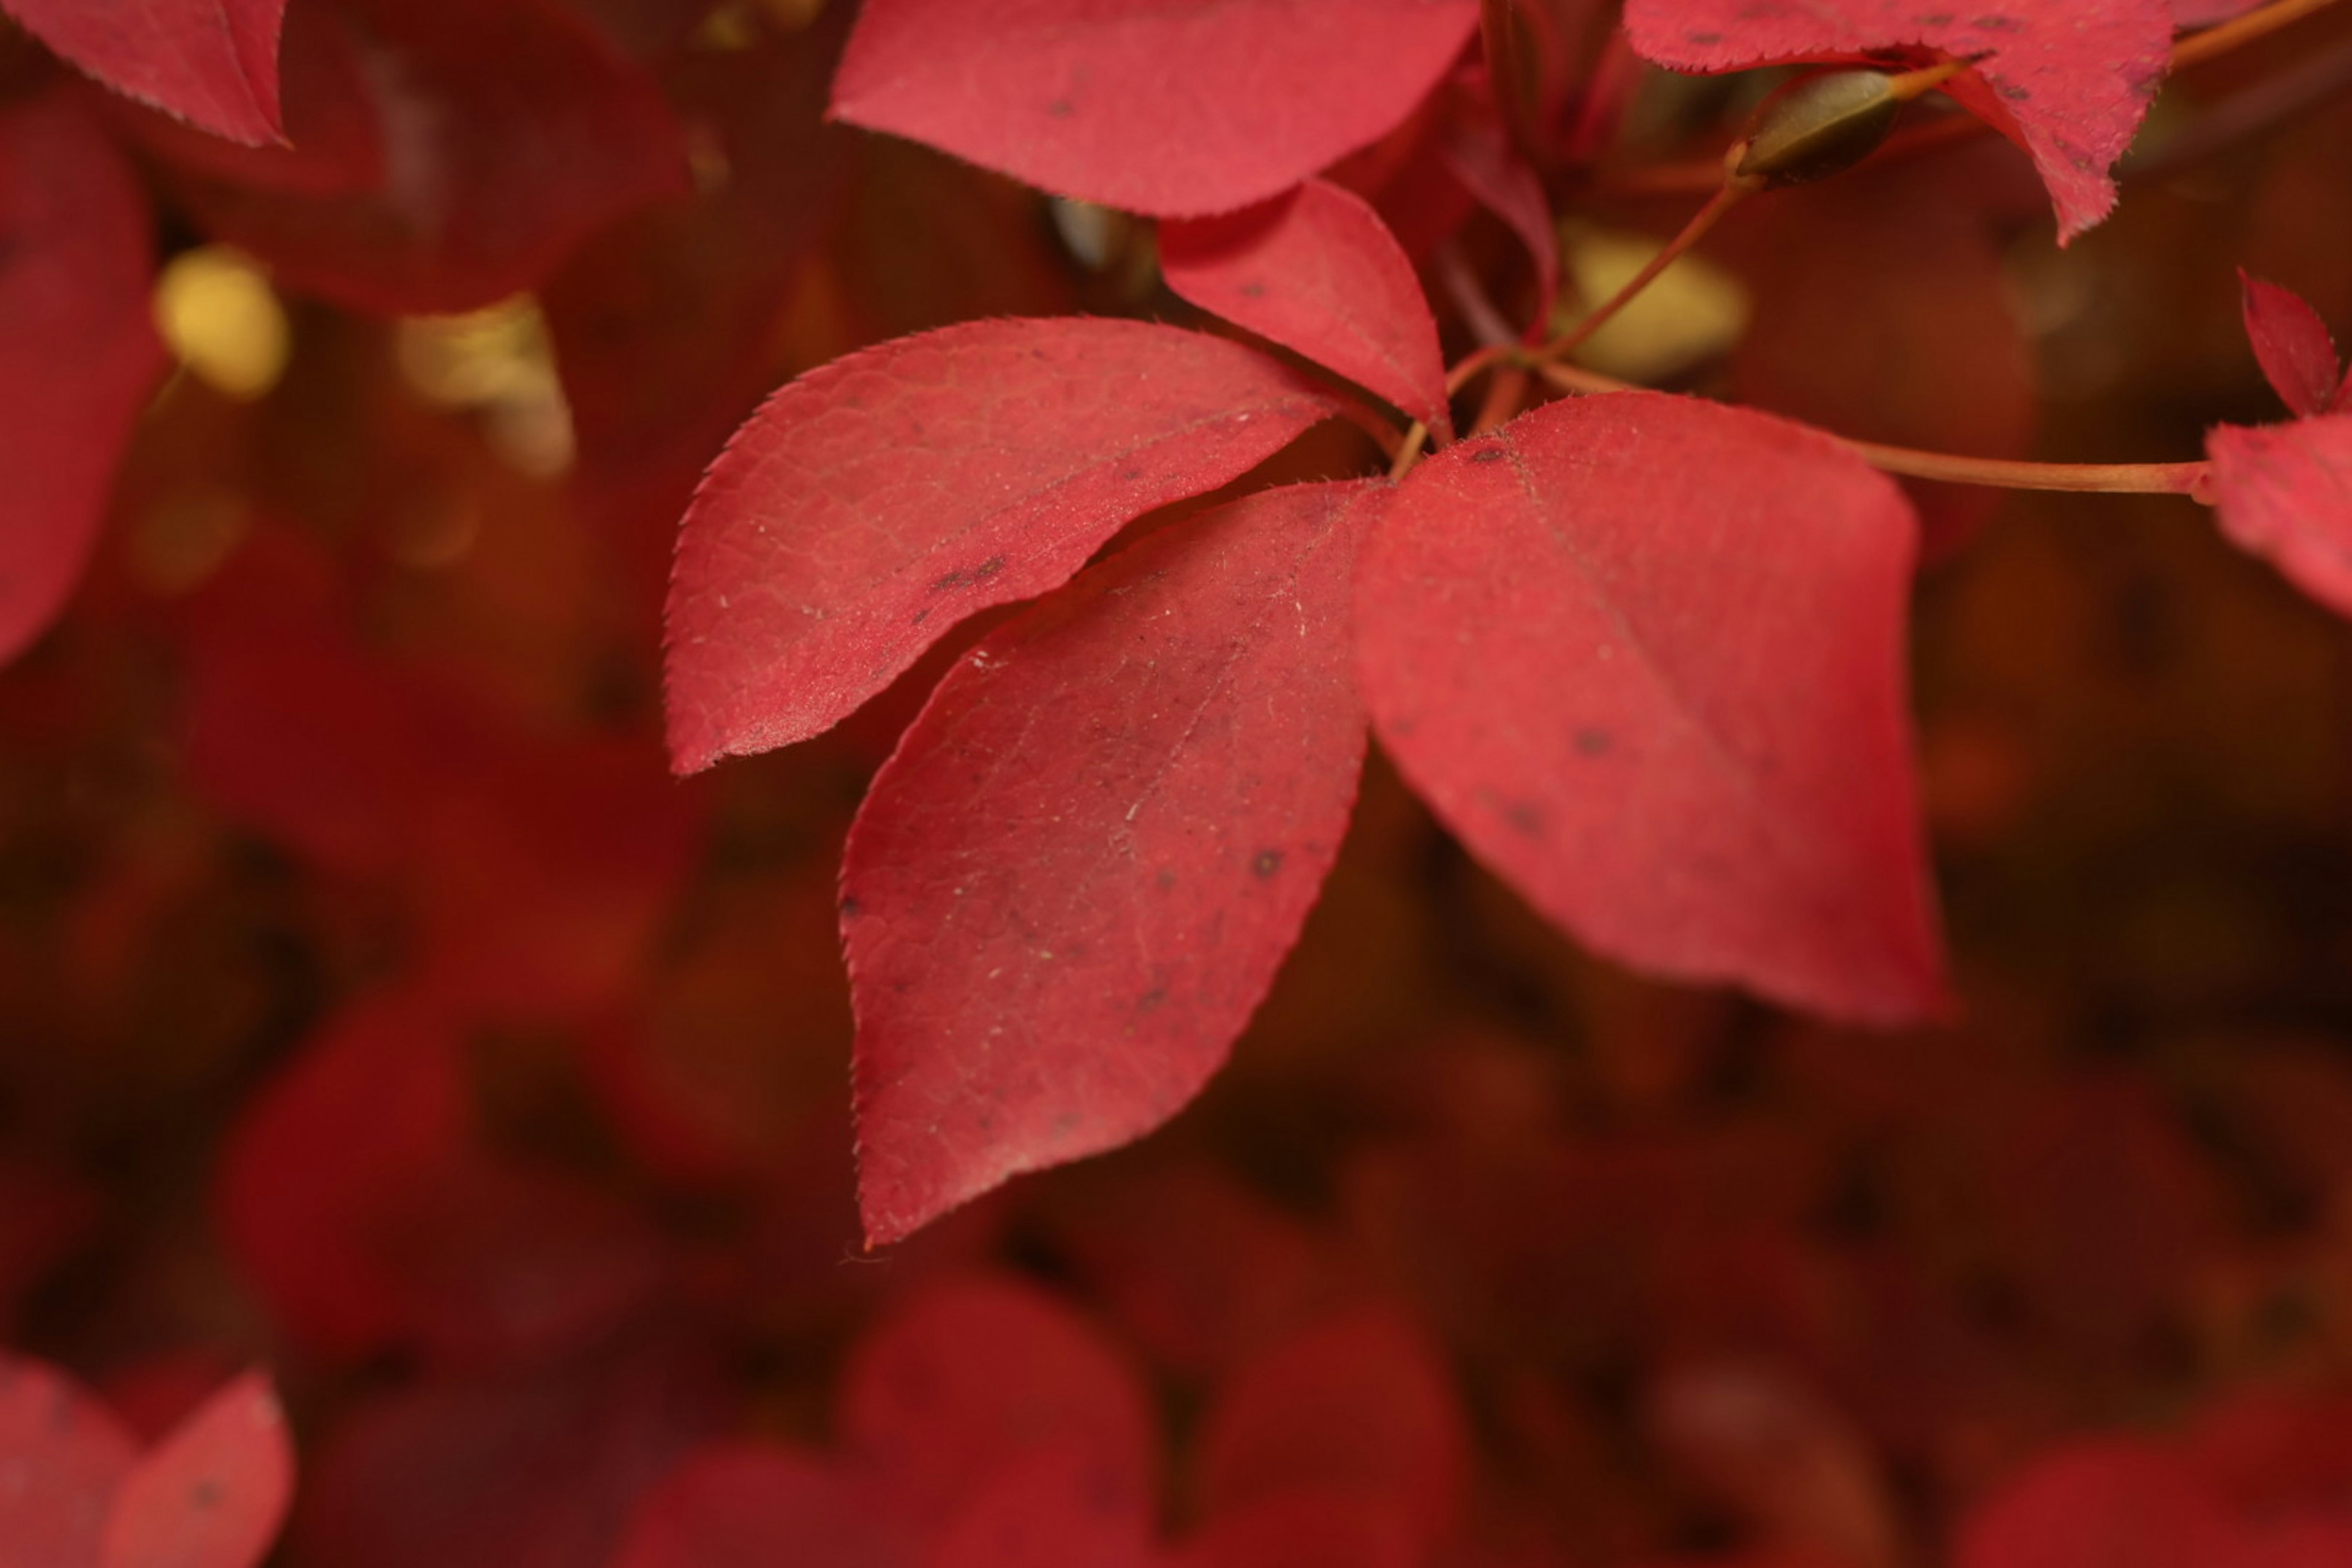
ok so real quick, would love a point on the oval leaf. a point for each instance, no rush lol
(62, 1454)
(1645, 655)
(2292, 344)
(211, 1494)
(78, 349)
(2068, 80)
(1173, 110)
(2285, 492)
(1073, 883)
(214, 63)
(1318, 271)
(873, 503)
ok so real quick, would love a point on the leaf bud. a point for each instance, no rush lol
(1817, 126)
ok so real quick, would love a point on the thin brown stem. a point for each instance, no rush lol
(2122, 479)
(2243, 29)
(1728, 191)
(1704, 173)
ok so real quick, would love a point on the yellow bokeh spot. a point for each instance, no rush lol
(499, 365)
(216, 310)
(1690, 312)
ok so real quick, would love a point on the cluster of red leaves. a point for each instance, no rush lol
(1642, 654)
(530, 1176)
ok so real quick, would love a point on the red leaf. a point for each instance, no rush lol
(1303, 1530)
(1316, 270)
(359, 1200)
(972, 1376)
(78, 351)
(1177, 110)
(2111, 1504)
(1484, 162)
(873, 503)
(1057, 1505)
(751, 1505)
(62, 1455)
(2067, 80)
(211, 1494)
(214, 63)
(542, 1472)
(510, 129)
(1361, 1408)
(1645, 655)
(2292, 343)
(1073, 882)
(2284, 493)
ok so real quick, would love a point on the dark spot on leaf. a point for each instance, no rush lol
(1992, 23)
(1935, 19)
(1487, 455)
(967, 578)
(2016, 92)
(851, 909)
(1061, 108)
(1703, 40)
(1593, 743)
(1267, 864)
(1166, 879)
(1526, 817)
(1067, 1122)
(207, 1493)
(1130, 475)
(1151, 999)
(920, 616)
(1253, 291)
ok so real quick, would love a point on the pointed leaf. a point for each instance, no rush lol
(2292, 343)
(509, 130)
(62, 1454)
(78, 349)
(873, 503)
(214, 63)
(1073, 883)
(2067, 80)
(973, 1376)
(2284, 493)
(211, 1494)
(1645, 655)
(1173, 110)
(1316, 270)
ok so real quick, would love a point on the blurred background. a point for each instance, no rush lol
(375, 1008)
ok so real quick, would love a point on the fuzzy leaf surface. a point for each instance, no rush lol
(1318, 271)
(1073, 881)
(63, 1453)
(1172, 109)
(873, 503)
(214, 63)
(2284, 493)
(78, 349)
(1644, 656)
(2068, 80)
(214, 1493)
(2292, 344)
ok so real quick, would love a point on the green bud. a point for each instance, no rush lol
(1817, 126)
